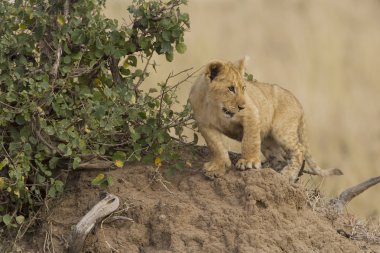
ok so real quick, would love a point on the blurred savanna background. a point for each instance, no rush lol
(326, 52)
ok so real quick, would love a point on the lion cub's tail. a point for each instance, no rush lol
(309, 159)
(317, 170)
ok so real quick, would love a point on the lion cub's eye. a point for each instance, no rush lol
(232, 89)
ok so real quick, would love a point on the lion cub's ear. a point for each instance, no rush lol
(213, 69)
(241, 64)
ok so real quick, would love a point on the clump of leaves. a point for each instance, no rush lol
(66, 97)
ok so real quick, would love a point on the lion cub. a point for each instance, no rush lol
(225, 104)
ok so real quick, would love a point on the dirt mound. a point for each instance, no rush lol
(250, 211)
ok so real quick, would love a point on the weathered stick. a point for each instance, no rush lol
(347, 195)
(103, 208)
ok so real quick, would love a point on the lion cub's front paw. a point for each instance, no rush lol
(244, 164)
(215, 169)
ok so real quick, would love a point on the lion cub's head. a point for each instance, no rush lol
(226, 86)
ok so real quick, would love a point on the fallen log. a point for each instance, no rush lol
(79, 233)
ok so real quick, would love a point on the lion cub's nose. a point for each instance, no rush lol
(241, 107)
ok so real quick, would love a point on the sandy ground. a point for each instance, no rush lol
(250, 211)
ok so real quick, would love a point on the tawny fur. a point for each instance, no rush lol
(251, 112)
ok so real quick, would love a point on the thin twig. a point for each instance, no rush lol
(117, 217)
(6, 153)
(142, 77)
(45, 241)
(161, 96)
(113, 144)
(12, 107)
(157, 177)
(179, 82)
(104, 237)
(36, 130)
(51, 237)
(180, 122)
(30, 222)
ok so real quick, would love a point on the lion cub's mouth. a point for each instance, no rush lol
(228, 113)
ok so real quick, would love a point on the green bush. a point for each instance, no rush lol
(70, 91)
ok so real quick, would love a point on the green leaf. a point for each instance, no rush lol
(169, 57)
(107, 92)
(99, 44)
(166, 35)
(102, 181)
(135, 135)
(181, 48)
(144, 43)
(56, 188)
(248, 77)
(49, 130)
(61, 20)
(119, 155)
(76, 162)
(7, 219)
(195, 139)
(40, 179)
(152, 90)
(62, 147)
(184, 17)
(98, 179)
(166, 47)
(52, 192)
(25, 133)
(20, 219)
(4, 163)
(53, 162)
(20, 120)
(180, 165)
(59, 185)
(109, 181)
(67, 59)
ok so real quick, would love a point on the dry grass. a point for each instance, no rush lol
(351, 226)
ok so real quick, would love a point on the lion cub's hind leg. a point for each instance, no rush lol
(275, 155)
(216, 167)
(288, 138)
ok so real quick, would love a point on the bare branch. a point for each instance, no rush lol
(54, 70)
(95, 164)
(114, 67)
(179, 82)
(58, 53)
(12, 107)
(37, 131)
(6, 153)
(142, 77)
(347, 195)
